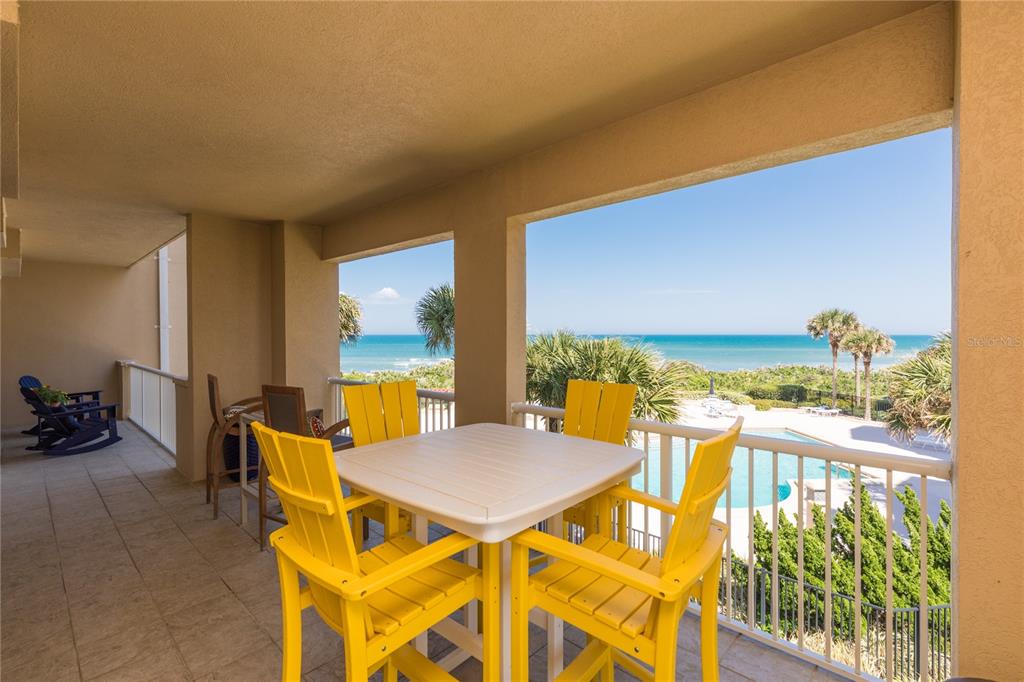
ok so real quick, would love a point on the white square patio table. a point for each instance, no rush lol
(488, 481)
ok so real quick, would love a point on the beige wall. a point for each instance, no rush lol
(69, 324)
(229, 324)
(988, 281)
(263, 309)
(883, 83)
(177, 305)
(304, 312)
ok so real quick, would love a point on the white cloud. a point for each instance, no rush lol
(384, 296)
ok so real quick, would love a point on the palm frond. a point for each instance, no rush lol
(435, 318)
(350, 315)
(553, 359)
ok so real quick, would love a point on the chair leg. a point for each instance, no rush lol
(608, 674)
(216, 495)
(390, 671)
(355, 641)
(291, 620)
(209, 461)
(360, 528)
(217, 468)
(709, 621)
(520, 611)
(262, 477)
(667, 629)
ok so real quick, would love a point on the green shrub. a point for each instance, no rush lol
(764, 392)
(793, 393)
(732, 396)
(439, 376)
(765, 404)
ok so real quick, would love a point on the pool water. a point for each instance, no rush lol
(763, 489)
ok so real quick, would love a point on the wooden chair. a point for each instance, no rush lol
(627, 601)
(379, 600)
(225, 423)
(599, 411)
(379, 412)
(284, 409)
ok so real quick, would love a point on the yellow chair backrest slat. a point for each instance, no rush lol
(379, 412)
(706, 479)
(598, 411)
(305, 477)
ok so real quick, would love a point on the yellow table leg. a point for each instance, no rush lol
(520, 612)
(492, 611)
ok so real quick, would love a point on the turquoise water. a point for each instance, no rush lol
(763, 489)
(715, 352)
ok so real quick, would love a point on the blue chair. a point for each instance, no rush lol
(29, 384)
(74, 430)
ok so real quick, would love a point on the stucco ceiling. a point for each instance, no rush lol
(132, 113)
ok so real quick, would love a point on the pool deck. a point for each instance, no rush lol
(847, 432)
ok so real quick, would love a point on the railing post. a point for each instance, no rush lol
(666, 484)
(125, 376)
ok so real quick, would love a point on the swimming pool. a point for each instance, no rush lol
(763, 493)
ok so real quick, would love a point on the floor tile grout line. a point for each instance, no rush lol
(61, 480)
(117, 529)
(63, 582)
(216, 571)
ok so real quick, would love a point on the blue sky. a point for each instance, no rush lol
(868, 230)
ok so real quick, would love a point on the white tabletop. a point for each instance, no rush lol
(489, 481)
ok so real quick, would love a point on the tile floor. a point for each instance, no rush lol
(114, 569)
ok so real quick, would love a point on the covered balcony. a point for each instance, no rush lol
(181, 181)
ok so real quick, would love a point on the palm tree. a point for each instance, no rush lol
(835, 324)
(856, 368)
(921, 390)
(435, 318)
(350, 314)
(553, 359)
(868, 343)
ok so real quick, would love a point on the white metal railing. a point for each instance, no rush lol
(437, 408)
(150, 403)
(883, 642)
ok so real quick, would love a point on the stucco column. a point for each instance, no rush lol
(304, 312)
(988, 327)
(490, 320)
(228, 325)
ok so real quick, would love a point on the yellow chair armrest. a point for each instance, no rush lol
(600, 563)
(329, 577)
(693, 569)
(356, 500)
(406, 566)
(646, 499)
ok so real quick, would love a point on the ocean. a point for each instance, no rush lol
(716, 352)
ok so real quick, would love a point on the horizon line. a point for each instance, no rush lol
(589, 333)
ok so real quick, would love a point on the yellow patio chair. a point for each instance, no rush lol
(379, 412)
(627, 601)
(379, 600)
(600, 412)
